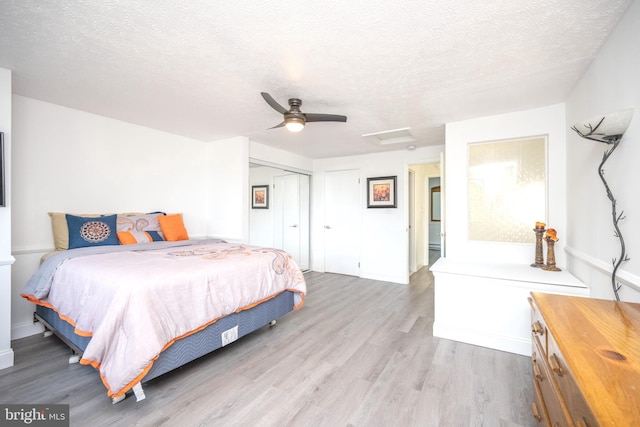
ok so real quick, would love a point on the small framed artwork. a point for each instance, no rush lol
(381, 192)
(260, 197)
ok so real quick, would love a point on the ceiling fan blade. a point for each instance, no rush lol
(314, 117)
(279, 108)
(278, 126)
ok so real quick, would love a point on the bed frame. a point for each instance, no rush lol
(186, 349)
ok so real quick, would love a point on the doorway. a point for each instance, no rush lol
(424, 223)
(435, 218)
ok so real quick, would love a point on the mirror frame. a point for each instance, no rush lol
(435, 216)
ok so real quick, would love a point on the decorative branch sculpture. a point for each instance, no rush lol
(610, 133)
(616, 219)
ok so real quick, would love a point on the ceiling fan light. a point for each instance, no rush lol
(294, 124)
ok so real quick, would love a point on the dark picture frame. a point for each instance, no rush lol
(381, 192)
(3, 197)
(260, 197)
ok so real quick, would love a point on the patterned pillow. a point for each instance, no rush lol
(133, 237)
(91, 231)
(134, 229)
(61, 230)
(148, 222)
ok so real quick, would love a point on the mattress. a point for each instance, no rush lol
(192, 346)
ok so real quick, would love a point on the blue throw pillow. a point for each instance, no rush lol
(92, 231)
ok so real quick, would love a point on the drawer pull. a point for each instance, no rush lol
(536, 372)
(555, 365)
(536, 414)
(536, 328)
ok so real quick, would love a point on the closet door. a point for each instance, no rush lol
(343, 222)
(291, 216)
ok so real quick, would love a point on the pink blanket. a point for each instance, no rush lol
(136, 303)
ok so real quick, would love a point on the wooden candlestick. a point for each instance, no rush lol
(551, 256)
(539, 261)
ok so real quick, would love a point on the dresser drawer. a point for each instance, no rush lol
(571, 394)
(538, 409)
(538, 327)
(552, 400)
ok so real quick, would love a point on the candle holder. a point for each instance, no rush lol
(551, 256)
(539, 261)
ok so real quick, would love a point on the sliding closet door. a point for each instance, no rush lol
(304, 206)
(291, 216)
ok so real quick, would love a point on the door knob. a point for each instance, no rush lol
(327, 227)
(294, 225)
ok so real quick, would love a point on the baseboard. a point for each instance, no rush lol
(383, 278)
(470, 336)
(6, 359)
(26, 330)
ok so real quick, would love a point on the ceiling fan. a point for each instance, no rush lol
(294, 119)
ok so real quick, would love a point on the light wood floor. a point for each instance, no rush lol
(359, 353)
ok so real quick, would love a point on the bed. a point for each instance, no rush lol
(135, 312)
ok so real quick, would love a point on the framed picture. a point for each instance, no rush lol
(381, 192)
(2, 195)
(260, 197)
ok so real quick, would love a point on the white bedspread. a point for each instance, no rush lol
(136, 303)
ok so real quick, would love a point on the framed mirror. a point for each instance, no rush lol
(435, 204)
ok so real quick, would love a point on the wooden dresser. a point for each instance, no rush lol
(586, 361)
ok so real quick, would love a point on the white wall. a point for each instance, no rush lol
(72, 161)
(611, 83)
(67, 160)
(540, 121)
(6, 353)
(228, 189)
(276, 157)
(384, 253)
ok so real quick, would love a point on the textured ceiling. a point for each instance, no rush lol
(196, 68)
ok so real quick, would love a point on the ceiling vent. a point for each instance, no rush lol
(395, 136)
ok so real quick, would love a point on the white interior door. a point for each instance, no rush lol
(277, 196)
(291, 216)
(342, 222)
(287, 224)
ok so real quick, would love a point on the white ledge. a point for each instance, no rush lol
(7, 261)
(506, 271)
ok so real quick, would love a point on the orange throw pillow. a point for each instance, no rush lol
(173, 227)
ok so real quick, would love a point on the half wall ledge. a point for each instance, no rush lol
(486, 304)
